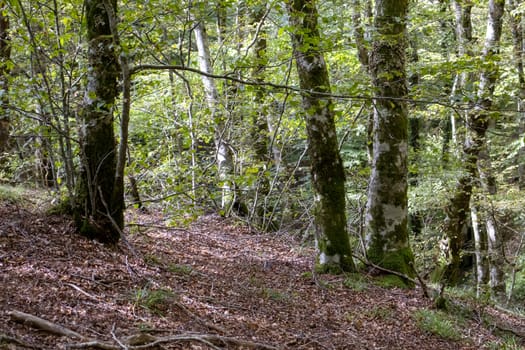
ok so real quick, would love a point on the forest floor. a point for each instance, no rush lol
(213, 285)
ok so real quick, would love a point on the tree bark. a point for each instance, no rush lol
(480, 251)
(478, 120)
(362, 35)
(99, 213)
(516, 22)
(415, 217)
(223, 152)
(458, 207)
(5, 56)
(327, 171)
(387, 213)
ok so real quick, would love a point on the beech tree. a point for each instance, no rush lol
(387, 207)
(99, 213)
(223, 154)
(327, 171)
(476, 161)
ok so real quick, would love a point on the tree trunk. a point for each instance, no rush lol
(259, 124)
(516, 22)
(223, 152)
(387, 213)
(480, 251)
(486, 89)
(458, 207)
(327, 171)
(415, 218)
(5, 56)
(478, 120)
(361, 35)
(99, 212)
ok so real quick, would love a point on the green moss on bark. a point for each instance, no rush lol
(327, 168)
(99, 204)
(387, 214)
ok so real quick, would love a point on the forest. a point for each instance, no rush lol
(246, 174)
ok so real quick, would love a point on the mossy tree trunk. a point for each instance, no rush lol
(328, 175)
(5, 56)
(98, 211)
(458, 207)
(387, 213)
(477, 121)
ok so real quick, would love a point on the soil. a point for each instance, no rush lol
(213, 285)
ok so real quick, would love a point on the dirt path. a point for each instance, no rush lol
(228, 287)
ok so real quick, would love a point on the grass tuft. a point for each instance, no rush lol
(438, 323)
(157, 301)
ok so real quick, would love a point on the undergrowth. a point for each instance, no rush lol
(438, 323)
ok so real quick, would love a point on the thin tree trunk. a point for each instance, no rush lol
(259, 127)
(5, 56)
(223, 152)
(328, 175)
(361, 34)
(480, 251)
(387, 207)
(415, 218)
(66, 147)
(516, 21)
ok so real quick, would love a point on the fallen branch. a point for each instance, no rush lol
(44, 325)
(148, 341)
(206, 338)
(214, 341)
(94, 344)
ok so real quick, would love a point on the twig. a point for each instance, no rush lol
(117, 340)
(92, 297)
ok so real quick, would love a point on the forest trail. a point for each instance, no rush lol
(215, 285)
